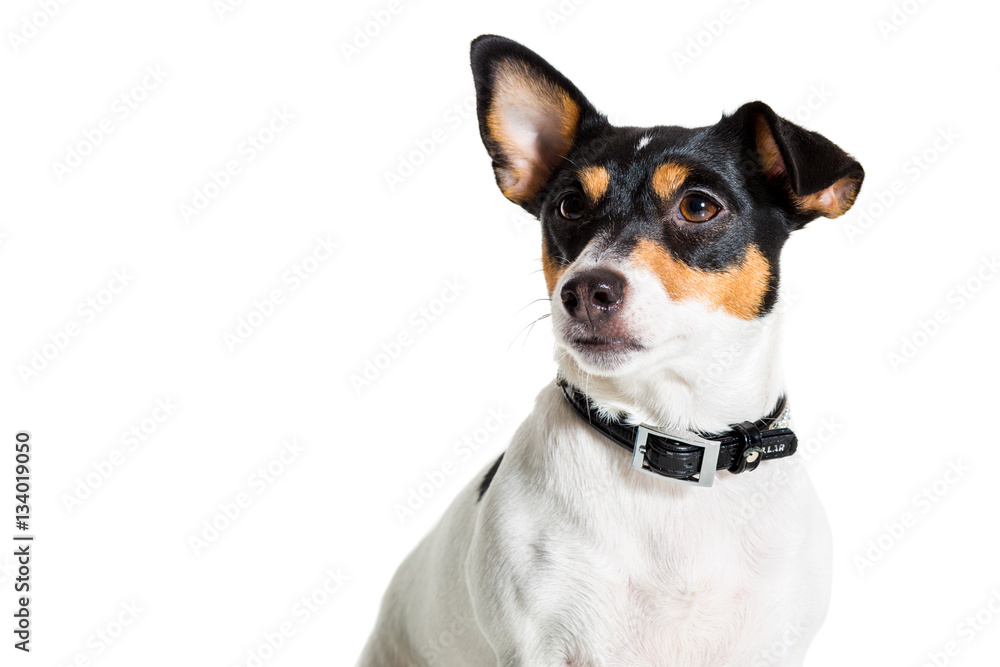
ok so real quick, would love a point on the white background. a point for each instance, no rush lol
(857, 292)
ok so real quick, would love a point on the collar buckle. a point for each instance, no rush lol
(709, 459)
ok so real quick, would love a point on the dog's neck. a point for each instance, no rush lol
(732, 375)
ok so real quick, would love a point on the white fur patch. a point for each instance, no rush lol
(643, 142)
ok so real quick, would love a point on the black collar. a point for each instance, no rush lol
(694, 458)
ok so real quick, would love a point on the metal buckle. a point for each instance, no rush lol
(709, 460)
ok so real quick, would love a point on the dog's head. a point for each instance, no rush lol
(653, 238)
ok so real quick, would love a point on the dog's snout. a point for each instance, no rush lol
(593, 294)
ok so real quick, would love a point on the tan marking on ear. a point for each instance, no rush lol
(667, 178)
(767, 149)
(832, 202)
(739, 290)
(552, 269)
(521, 100)
(594, 180)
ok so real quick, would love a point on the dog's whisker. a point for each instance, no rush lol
(527, 326)
(531, 303)
(531, 327)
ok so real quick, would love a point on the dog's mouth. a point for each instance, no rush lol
(604, 344)
(603, 354)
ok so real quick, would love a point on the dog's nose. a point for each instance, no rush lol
(593, 294)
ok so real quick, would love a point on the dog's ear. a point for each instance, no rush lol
(529, 115)
(819, 178)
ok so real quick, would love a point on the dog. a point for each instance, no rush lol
(595, 539)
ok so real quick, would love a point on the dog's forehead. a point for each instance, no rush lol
(643, 145)
(629, 156)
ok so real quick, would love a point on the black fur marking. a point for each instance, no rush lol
(722, 161)
(488, 478)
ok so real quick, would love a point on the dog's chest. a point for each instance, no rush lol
(636, 592)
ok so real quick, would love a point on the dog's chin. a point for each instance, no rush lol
(603, 355)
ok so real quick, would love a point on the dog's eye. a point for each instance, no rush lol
(697, 207)
(571, 206)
